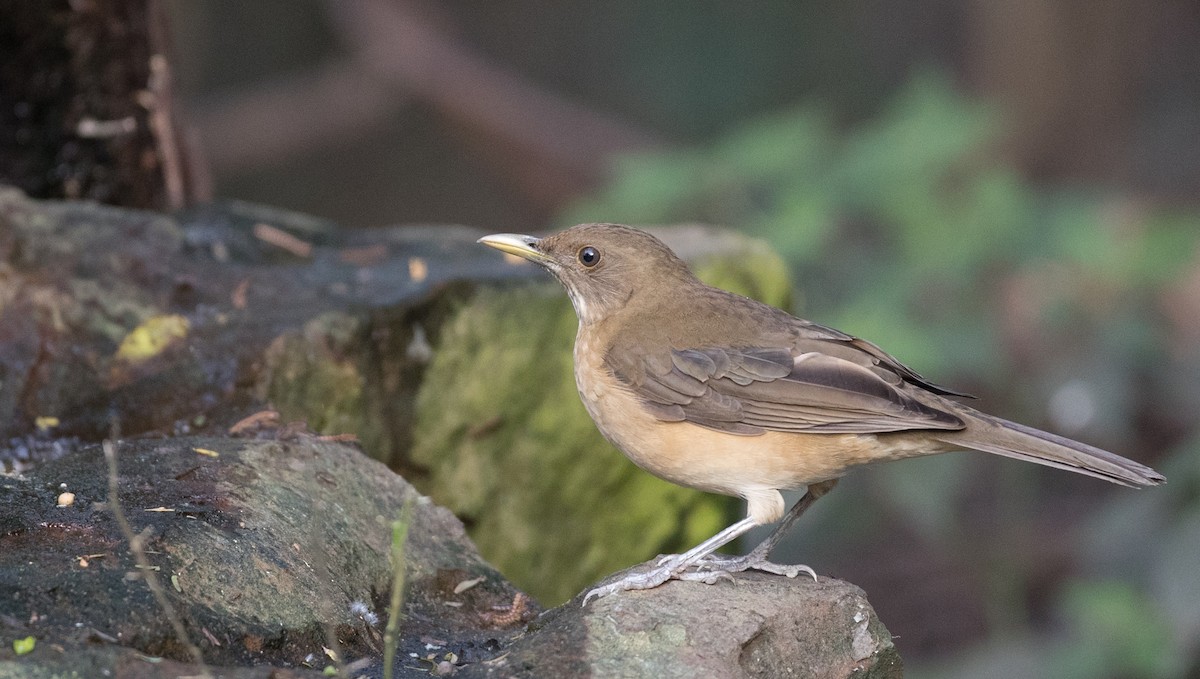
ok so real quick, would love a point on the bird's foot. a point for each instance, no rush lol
(655, 577)
(721, 563)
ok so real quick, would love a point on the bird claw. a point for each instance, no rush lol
(737, 564)
(657, 576)
(709, 570)
(646, 580)
(786, 570)
(707, 577)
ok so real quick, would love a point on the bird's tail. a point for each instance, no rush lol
(994, 435)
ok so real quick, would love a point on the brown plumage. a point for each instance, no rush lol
(715, 391)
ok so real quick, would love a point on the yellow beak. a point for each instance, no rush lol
(524, 247)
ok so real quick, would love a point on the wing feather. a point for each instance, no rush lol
(751, 390)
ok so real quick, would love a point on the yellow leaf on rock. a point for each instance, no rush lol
(45, 422)
(151, 337)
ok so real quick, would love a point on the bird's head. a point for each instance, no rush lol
(604, 267)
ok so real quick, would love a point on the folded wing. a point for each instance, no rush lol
(750, 390)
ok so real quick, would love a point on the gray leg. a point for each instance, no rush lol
(711, 567)
(677, 566)
(757, 558)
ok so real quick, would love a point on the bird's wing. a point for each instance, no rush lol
(813, 387)
(858, 350)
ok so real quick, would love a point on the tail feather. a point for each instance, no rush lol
(1001, 437)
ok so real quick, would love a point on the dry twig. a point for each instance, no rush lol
(146, 569)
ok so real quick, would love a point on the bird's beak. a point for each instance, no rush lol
(524, 247)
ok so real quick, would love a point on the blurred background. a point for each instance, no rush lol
(1006, 196)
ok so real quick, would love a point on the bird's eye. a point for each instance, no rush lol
(589, 256)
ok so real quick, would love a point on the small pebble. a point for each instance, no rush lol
(66, 499)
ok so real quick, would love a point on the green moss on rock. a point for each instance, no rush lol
(314, 375)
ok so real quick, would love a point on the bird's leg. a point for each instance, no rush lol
(711, 567)
(757, 558)
(678, 565)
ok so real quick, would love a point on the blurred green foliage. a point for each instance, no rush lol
(909, 230)
(899, 226)
(1119, 632)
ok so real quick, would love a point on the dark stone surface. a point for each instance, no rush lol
(269, 547)
(79, 281)
(261, 550)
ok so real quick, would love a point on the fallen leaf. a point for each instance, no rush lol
(152, 337)
(239, 296)
(283, 240)
(466, 584)
(263, 418)
(45, 423)
(23, 646)
(418, 270)
(364, 256)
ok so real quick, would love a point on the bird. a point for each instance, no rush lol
(715, 391)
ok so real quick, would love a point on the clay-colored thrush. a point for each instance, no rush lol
(715, 391)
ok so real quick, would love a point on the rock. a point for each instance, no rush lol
(185, 324)
(262, 551)
(268, 548)
(757, 626)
